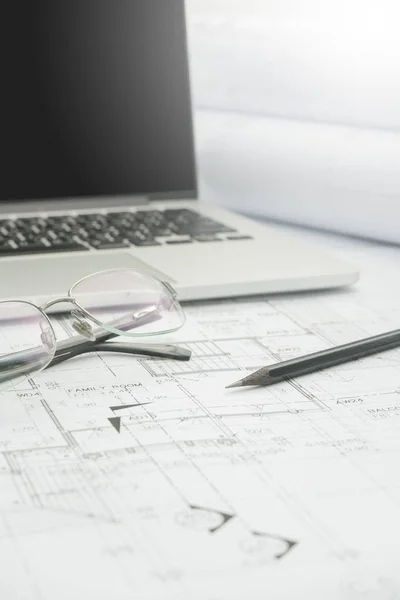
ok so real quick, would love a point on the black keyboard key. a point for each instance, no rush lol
(93, 240)
(208, 226)
(6, 229)
(206, 237)
(143, 230)
(161, 231)
(34, 246)
(82, 233)
(22, 224)
(108, 245)
(62, 239)
(97, 226)
(113, 231)
(188, 241)
(150, 242)
(7, 223)
(66, 247)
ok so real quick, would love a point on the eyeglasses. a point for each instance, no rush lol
(103, 306)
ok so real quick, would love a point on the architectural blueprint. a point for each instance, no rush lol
(130, 479)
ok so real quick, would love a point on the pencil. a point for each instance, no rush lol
(320, 360)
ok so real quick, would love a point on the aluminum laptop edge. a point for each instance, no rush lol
(98, 162)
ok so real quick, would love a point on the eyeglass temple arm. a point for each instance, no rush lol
(75, 347)
(154, 350)
(20, 361)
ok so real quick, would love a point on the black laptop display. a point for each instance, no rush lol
(94, 100)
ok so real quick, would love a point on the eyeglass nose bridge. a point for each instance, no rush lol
(47, 336)
(82, 325)
(80, 322)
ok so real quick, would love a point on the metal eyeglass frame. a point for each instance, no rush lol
(96, 339)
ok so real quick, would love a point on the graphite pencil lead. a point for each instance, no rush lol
(260, 377)
(235, 385)
(249, 380)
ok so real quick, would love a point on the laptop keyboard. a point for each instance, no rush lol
(112, 230)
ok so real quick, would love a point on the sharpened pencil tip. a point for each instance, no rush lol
(234, 385)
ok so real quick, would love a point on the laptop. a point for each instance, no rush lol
(98, 165)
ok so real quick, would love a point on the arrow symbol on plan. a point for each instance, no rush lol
(126, 406)
(225, 517)
(288, 544)
(116, 423)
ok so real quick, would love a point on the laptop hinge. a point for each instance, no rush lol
(75, 204)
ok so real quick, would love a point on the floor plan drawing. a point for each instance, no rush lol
(128, 478)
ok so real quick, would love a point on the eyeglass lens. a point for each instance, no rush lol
(27, 342)
(115, 299)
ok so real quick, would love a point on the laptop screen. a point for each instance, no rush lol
(94, 99)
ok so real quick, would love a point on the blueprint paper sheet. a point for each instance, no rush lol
(340, 178)
(291, 491)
